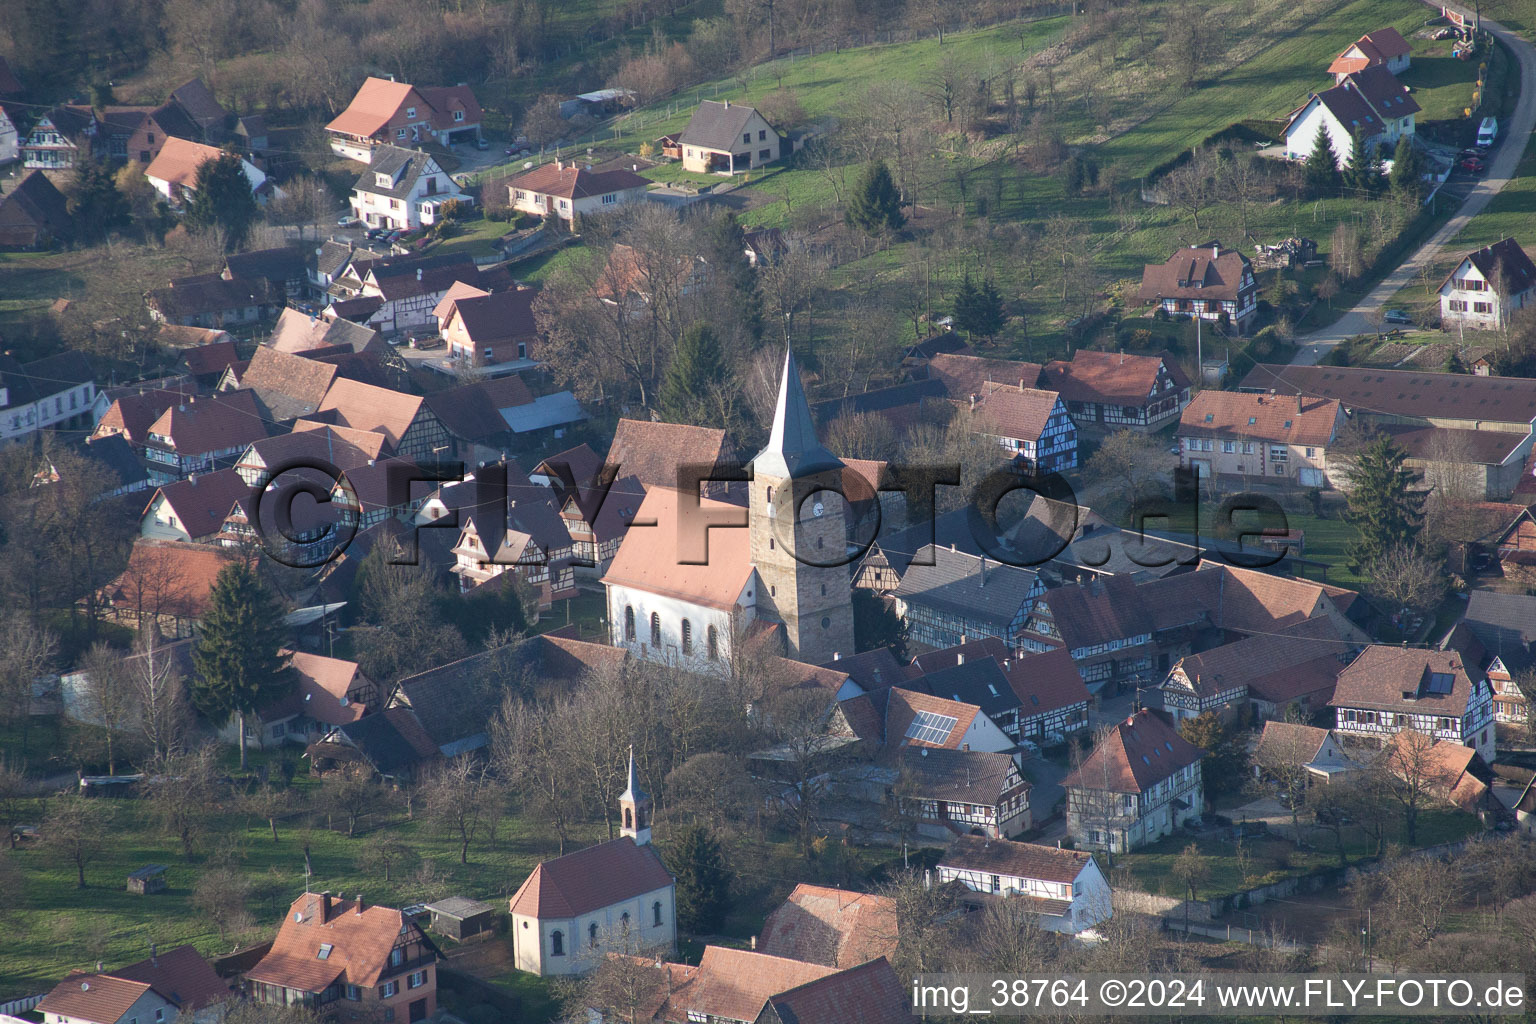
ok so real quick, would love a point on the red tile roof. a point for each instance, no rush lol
(1376, 47)
(868, 994)
(168, 578)
(179, 160)
(902, 707)
(1115, 378)
(365, 407)
(229, 419)
(571, 181)
(1196, 272)
(360, 944)
(1382, 676)
(1045, 682)
(201, 501)
(1504, 265)
(1004, 410)
(1279, 419)
(737, 984)
(664, 558)
(831, 927)
(590, 879)
(182, 976)
(653, 451)
(132, 414)
(963, 375)
(1134, 756)
(98, 998)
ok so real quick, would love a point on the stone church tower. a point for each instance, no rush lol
(800, 533)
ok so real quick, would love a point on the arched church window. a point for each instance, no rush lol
(629, 818)
(629, 623)
(656, 913)
(712, 638)
(655, 630)
(557, 943)
(592, 934)
(687, 637)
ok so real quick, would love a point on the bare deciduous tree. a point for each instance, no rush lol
(76, 829)
(110, 697)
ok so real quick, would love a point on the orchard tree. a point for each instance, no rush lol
(239, 667)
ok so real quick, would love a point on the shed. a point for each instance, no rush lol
(148, 879)
(460, 918)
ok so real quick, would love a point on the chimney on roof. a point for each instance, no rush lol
(1298, 401)
(325, 907)
(359, 904)
(752, 942)
(727, 104)
(837, 656)
(960, 658)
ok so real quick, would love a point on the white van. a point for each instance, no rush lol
(1487, 131)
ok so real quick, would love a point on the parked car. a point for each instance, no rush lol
(348, 222)
(374, 234)
(427, 344)
(1473, 165)
(1397, 316)
(396, 341)
(481, 144)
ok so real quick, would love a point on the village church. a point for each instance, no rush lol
(681, 594)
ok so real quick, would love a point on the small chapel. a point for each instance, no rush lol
(695, 574)
(615, 897)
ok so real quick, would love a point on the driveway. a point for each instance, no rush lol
(1516, 132)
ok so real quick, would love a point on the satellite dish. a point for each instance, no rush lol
(85, 986)
(344, 701)
(298, 915)
(527, 165)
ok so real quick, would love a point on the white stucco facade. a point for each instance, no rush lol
(645, 922)
(671, 613)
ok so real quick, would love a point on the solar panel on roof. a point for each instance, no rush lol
(931, 727)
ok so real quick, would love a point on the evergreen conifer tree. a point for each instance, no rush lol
(1382, 505)
(1321, 169)
(239, 669)
(1407, 167)
(696, 372)
(874, 205)
(1362, 174)
(222, 198)
(703, 881)
(95, 203)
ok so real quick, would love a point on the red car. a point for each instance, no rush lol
(1474, 165)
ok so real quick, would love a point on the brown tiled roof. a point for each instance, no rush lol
(831, 927)
(563, 657)
(430, 275)
(964, 375)
(228, 419)
(366, 407)
(581, 462)
(360, 945)
(132, 414)
(1134, 756)
(1411, 393)
(202, 500)
(370, 483)
(1377, 47)
(1382, 675)
(371, 110)
(1282, 420)
(473, 411)
(1284, 742)
(198, 101)
(98, 998)
(496, 319)
(167, 577)
(297, 332)
(177, 336)
(867, 994)
(341, 447)
(1503, 265)
(323, 691)
(206, 360)
(1021, 860)
(1309, 655)
(654, 451)
(571, 181)
(654, 558)
(456, 291)
(1005, 410)
(445, 99)
(590, 879)
(1097, 611)
(878, 668)
(179, 160)
(902, 706)
(1045, 682)
(957, 776)
(736, 984)
(290, 385)
(1431, 444)
(1112, 377)
(182, 976)
(1196, 272)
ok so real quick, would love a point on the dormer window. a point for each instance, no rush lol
(383, 180)
(458, 115)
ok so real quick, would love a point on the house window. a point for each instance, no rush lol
(521, 194)
(410, 111)
(1247, 447)
(1278, 453)
(687, 637)
(656, 914)
(557, 943)
(624, 923)
(1229, 447)
(1311, 453)
(997, 883)
(354, 993)
(396, 957)
(159, 1014)
(592, 935)
(388, 989)
(419, 978)
(1482, 307)
(565, 204)
(399, 133)
(610, 199)
(1457, 305)
(458, 115)
(712, 647)
(655, 630)
(765, 154)
(746, 138)
(629, 623)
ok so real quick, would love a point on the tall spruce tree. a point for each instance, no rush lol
(694, 376)
(703, 881)
(979, 310)
(1362, 173)
(239, 669)
(223, 199)
(1382, 505)
(874, 205)
(1321, 169)
(1407, 167)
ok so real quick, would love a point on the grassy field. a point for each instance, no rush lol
(1273, 858)
(57, 927)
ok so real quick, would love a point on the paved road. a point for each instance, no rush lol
(1516, 131)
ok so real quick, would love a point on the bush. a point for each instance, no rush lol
(1160, 314)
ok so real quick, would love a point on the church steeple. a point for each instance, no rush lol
(799, 532)
(635, 808)
(793, 448)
